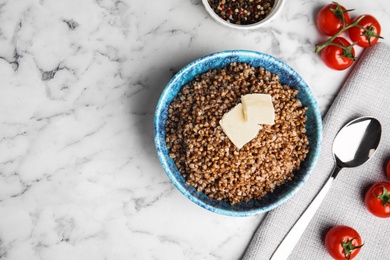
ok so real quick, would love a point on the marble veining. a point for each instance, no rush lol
(79, 82)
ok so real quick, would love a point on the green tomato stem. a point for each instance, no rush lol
(348, 248)
(320, 47)
(384, 197)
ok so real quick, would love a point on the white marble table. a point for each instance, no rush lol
(79, 82)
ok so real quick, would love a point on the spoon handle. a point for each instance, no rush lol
(290, 240)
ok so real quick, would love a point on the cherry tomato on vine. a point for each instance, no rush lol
(339, 55)
(377, 199)
(343, 242)
(367, 33)
(330, 18)
(388, 169)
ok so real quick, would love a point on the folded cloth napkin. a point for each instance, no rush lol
(366, 92)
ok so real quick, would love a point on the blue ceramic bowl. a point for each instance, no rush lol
(286, 76)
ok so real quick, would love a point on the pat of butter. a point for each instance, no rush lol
(258, 108)
(239, 130)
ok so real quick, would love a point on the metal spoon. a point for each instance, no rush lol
(354, 144)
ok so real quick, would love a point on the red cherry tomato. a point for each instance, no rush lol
(343, 242)
(388, 169)
(336, 57)
(367, 33)
(330, 19)
(377, 199)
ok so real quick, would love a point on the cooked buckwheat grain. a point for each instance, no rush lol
(209, 160)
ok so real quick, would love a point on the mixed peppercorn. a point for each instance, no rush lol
(242, 11)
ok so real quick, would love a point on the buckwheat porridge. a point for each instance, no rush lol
(206, 157)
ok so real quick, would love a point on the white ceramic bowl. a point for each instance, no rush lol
(278, 4)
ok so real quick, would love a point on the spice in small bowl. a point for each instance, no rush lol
(242, 11)
(243, 14)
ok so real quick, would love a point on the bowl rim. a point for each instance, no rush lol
(160, 143)
(274, 12)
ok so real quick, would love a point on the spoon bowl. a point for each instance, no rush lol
(356, 142)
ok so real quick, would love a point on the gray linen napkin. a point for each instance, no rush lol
(365, 93)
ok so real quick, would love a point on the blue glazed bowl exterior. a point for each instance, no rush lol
(286, 76)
